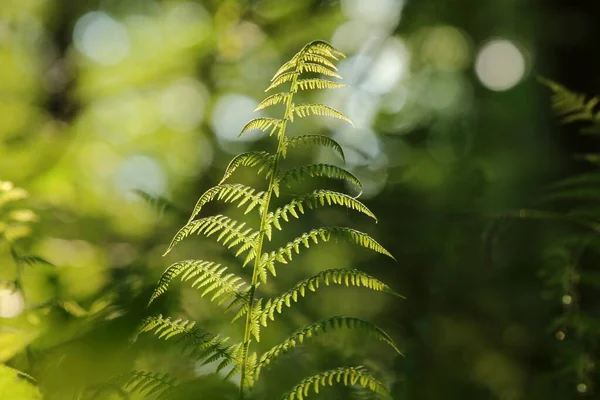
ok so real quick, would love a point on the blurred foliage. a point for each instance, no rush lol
(103, 100)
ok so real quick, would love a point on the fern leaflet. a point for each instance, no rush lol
(316, 140)
(203, 273)
(262, 124)
(204, 345)
(232, 232)
(230, 193)
(250, 159)
(272, 100)
(318, 198)
(320, 171)
(317, 328)
(317, 83)
(304, 110)
(338, 276)
(344, 375)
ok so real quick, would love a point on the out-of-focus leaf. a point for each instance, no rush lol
(14, 385)
(12, 341)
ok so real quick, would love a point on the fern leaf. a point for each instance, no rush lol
(344, 375)
(318, 198)
(323, 48)
(230, 193)
(262, 124)
(272, 100)
(321, 171)
(337, 276)
(285, 254)
(251, 159)
(305, 110)
(570, 105)
(204, 345)
(232, 232)
(286, 67)
(204, 273)
(317, 83)
(316, 140)
(147, 384)
(317, 328)
(318, 59)
(318, 69)
(281, 79)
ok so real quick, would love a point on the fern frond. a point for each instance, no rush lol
(572, 106)
(286, 67)
(318, 198)
(232, 232)
(281, 79)
(318, 69)
(251, 159)
(316, 140)
(336, 276)
(317, 328)
(320, 171)
(207, 275)
(305, 110)
(204, 345)
(318, 59)
(285, 254)
(147, 384)
(272, 100)
(262, 124)
(230, 193)
(344, 375)
(317, 83)
(322, 48)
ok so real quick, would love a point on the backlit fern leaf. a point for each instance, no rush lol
(316, 140)
(320, 171)
(319, 327)
(319, 59)
(232, 232)
(281, 79)
(337, 276)
(572, 106)
(318, 69)
(316, 52)
(205, 274)
(285, 254)
(272, 100)
(346, 376)
(230, 193)
(315, 58)
(148, 384)
(305, 110)
(251, 159)
(312, 200)
(317, 83)
(262, 124)
(203, 345)
(323, 48)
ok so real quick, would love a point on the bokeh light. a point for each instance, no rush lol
(231, 112)
(500, 65)
(11, 303)
(101, 38)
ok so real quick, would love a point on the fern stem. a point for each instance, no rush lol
(263, 221)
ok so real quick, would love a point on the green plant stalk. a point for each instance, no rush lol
(263, 221)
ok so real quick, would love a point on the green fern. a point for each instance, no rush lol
(571, 106)
(346, 376)
(225, 287)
